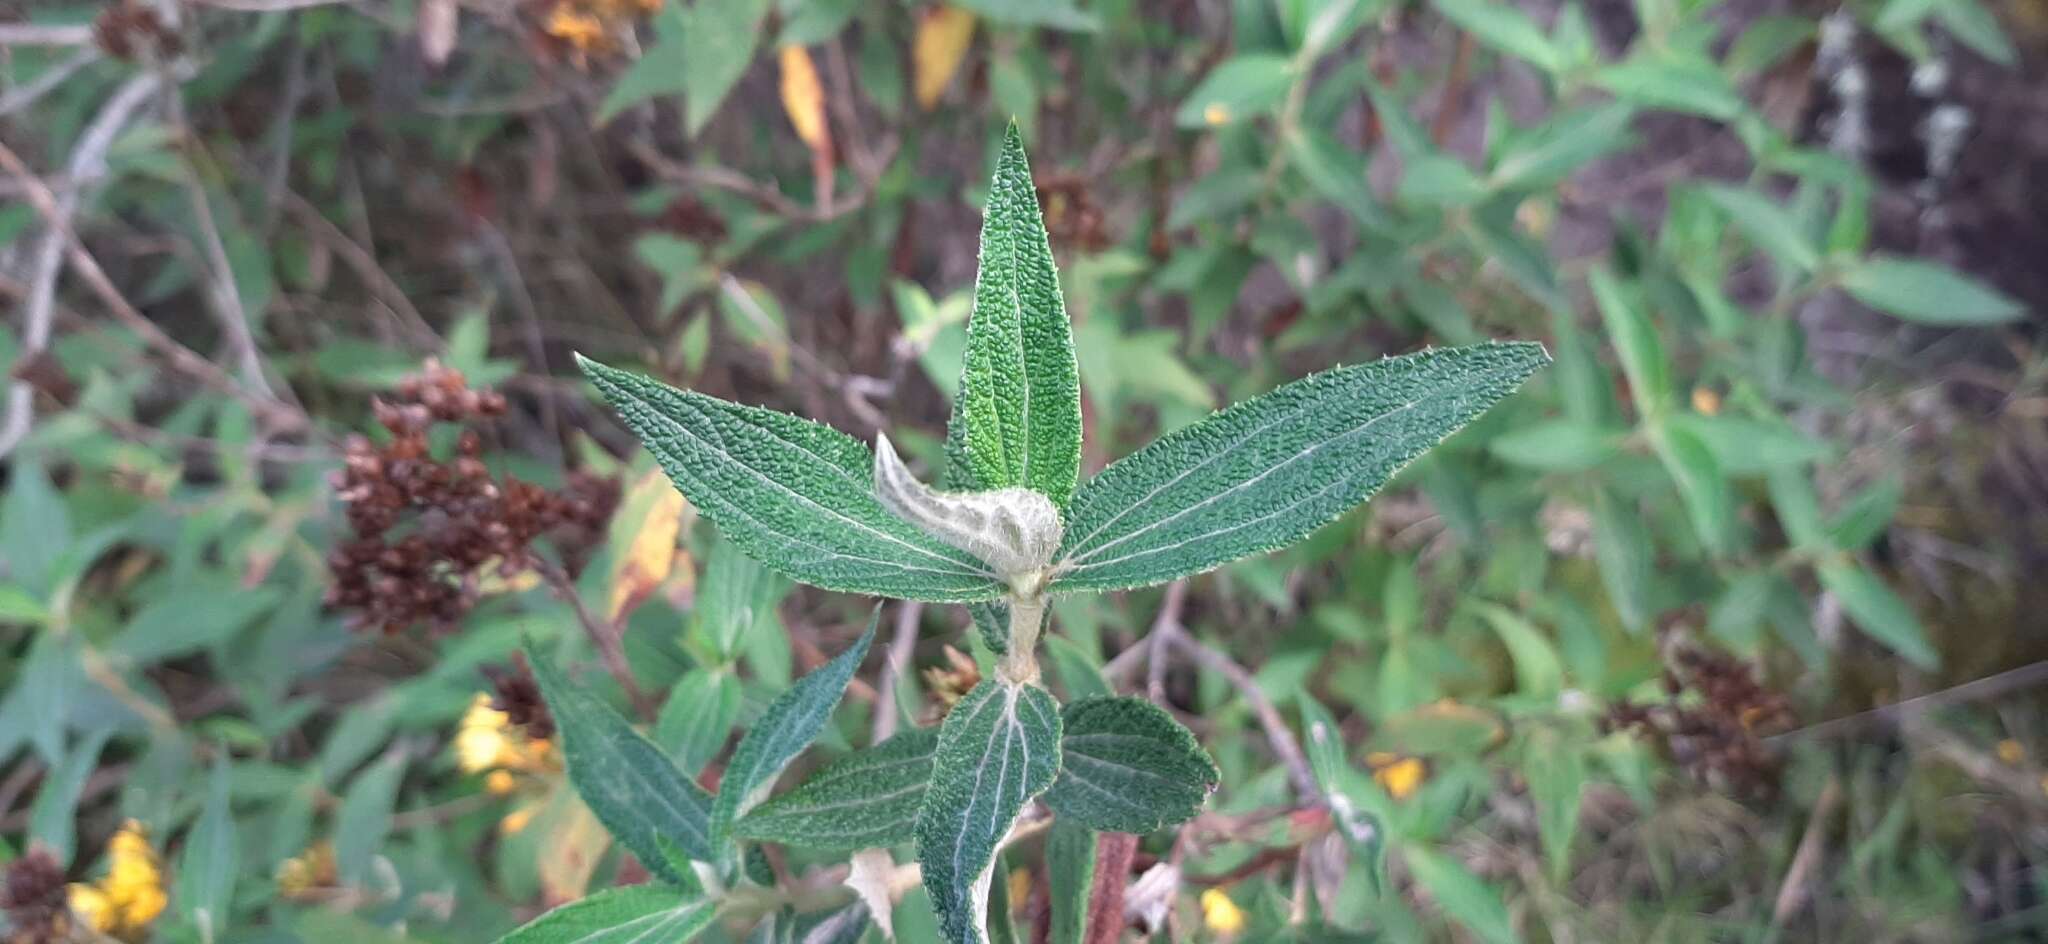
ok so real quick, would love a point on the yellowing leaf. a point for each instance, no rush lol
(652, 515)
(571, 854)
(803, 98)
(943, 34)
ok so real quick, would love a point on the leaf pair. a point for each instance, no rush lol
(661, 815)
(803, 497)
(1257, 476)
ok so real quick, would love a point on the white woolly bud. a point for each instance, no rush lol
(1015, 530)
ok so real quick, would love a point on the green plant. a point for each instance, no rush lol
(1013, 528)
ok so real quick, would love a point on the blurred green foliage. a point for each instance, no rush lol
(1566, 680)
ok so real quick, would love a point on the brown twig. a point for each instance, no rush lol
(1277, 732)
(908, 613)
(1990, 686)
(1792, 893)
(606, 637)
(276, 414)
(1113, 854)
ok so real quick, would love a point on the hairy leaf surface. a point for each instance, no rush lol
(790, 724)
(1127, 766)
(1264, 473)
(794, 494)
(998, 748)
(1020, 396)
(639, 914)
(869, 798)
(628, 782)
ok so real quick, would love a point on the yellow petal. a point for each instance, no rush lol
(1220, 914)
(943, 35)
(92, 907)
(1401, 778)
(2011, 752)
(1216, 114)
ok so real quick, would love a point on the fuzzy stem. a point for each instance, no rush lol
(1020, 662)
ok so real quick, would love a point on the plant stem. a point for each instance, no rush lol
(1020, 663)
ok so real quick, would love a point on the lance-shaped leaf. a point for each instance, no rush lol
(636, 792)
(1020, 396)
(790, 724)
(793, 494)
(638, 914)
(998, 748)
(1264, 473)
(1127, 766)
(867, 799)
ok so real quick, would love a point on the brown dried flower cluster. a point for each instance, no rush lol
(1073, 220)
(32, 893)
(428, 528)
(1714, 724)
(517, 694)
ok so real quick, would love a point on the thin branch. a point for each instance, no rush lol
(87, 160)
(228, 308)
(1113, 855)
(908, 613)
(1991, 686)
(271, 6)
(365, 266)
(42, 34)
(1792, 893)
(1277, 732)
(28, 93)
(606, 637)
(278, 415)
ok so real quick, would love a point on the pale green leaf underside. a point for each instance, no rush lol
(1264, 473)
(1020, 394)
(790, 724)
(998, 749)
(1127, 766)
(627, 781)
(865, 800)
(796, 495)
(641, 914)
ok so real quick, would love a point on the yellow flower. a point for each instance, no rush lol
(500, 782)
(131, 896)
(1220, 914)
(1216, 114)
(486, 739)
(304, 876)
(578, 28)
(1399, 776)
(2011, 752)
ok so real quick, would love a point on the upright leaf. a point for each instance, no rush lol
(206, 866)
(718, 39)
(638, 914)
(1461, 896)
(698, 716)
(790, 724)
(1880, 613)
(1127, 766)
(636, 792)
(1264, 473)
(795, 495)
(1070, 870)
(998, 748)
(1020, 396)
(867, 799)
(1622, 549)
(364, 819)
